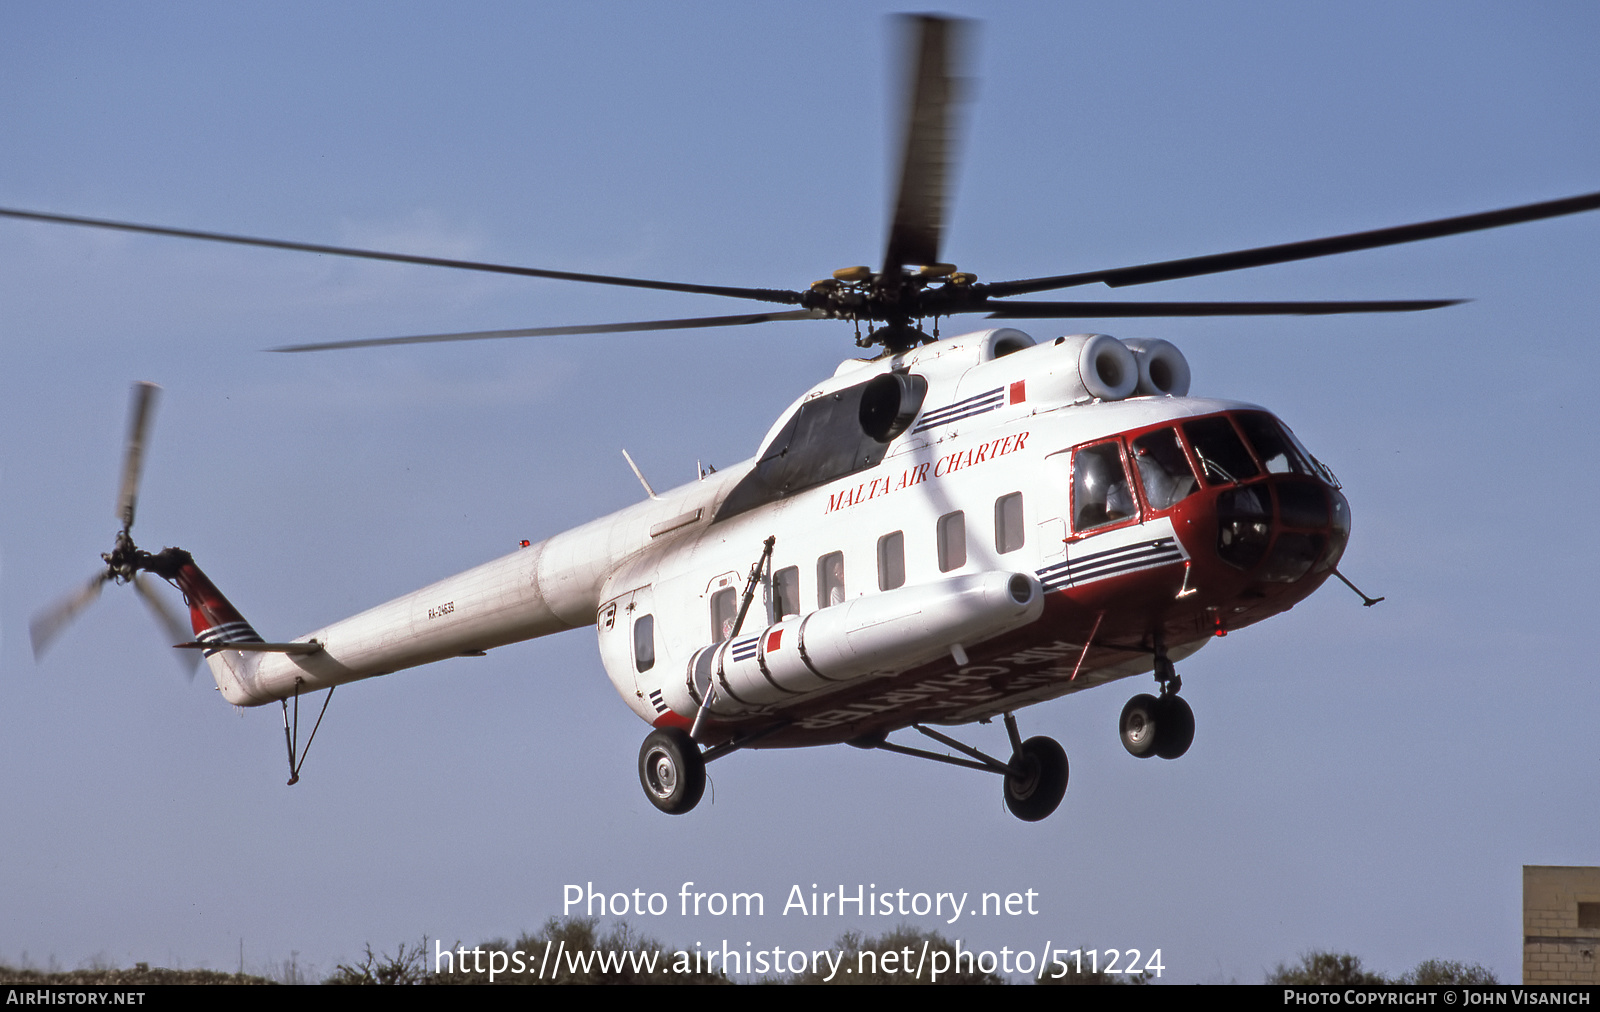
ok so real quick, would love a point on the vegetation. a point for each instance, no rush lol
(1447, 971)
(140, 974)
(406, 966)
(1317, 967)
(1325, 968)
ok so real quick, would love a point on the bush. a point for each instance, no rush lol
(1448, 971)
(1325, 968)
(1342, 968)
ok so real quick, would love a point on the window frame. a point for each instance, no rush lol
(822, 579)
(644, 661)
(1000, 526)
(729, 594)
(895, 542)
(940, 526)
(1135, 490)
(778, 579)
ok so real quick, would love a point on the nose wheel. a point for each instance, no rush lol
(672, 770)
(1152, 725)
(1158, 725)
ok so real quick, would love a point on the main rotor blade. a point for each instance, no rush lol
(593, 328)
(1093, 310)
(935, 51)
(140, 410)
(758, 294)
(45, 626)
(175, 628)
(1216, 263)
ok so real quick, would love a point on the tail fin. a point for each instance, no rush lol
(215, 620)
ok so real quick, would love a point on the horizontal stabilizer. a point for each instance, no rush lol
(255, 646)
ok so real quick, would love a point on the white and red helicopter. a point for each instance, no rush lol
(944, 533)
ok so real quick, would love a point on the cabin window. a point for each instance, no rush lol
(1163, 469)
(724, 610)
(1008, 529)
(952, 536)
(1100, 492)
(786, 592)
(830, 579)
(644, 642)
(892, 561)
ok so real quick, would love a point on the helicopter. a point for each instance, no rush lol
(944, 533)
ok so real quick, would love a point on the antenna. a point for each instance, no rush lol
(639, 474)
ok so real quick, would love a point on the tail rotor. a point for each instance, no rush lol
(47, 624)
(126, 562)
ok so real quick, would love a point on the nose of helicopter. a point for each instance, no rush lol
(1260, 548)
(1261, 522)
(1281, 528)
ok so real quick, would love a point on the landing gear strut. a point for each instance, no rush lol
(1158, 725)
(1035, 778)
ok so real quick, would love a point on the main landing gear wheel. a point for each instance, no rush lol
(1151, 726)
(1039, 784)
(1174, 727)
(672, 770)
(1139, 725)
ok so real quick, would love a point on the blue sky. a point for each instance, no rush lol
(1365, 780)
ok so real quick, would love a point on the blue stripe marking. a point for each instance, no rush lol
(1112, 562)
(977, 404)
(227, 632)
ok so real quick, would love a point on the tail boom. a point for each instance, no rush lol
(497, 603)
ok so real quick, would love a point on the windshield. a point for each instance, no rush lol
(1219, 449)
(1163, 468)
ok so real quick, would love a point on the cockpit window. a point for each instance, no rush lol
(1163, 468)
(1221, 453)
(1277, 453)
(1318, 467)
(1100, 491)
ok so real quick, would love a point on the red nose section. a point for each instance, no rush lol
(1275, 530)
(1255, 535)
(1258, 549)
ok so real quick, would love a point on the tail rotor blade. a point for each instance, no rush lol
(171, 624)
(140, 412)
(45, 626)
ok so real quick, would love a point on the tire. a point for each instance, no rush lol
(1174, 727)
(1038, 791)
(1140, 726)
(671, 770)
